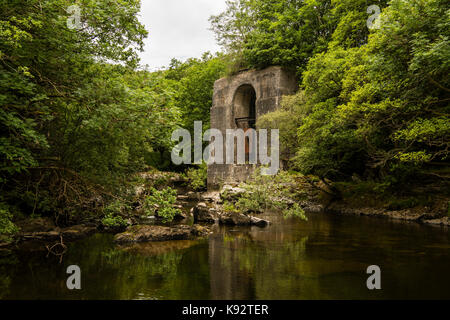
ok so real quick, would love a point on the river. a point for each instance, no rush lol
(325, 257)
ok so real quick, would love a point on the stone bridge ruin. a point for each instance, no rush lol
(238, 102)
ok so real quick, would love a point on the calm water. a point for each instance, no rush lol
(324, 258)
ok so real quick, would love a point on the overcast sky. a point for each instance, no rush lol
(177, 29)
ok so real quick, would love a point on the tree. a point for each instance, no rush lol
(382, 105)
(195, 89)
(71, 123)
(260, 33)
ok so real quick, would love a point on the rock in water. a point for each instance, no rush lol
(259, 222)
(239, 219)
(146, 233)
(202, 213)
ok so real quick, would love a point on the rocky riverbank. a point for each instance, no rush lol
(414, 214)
(199, 210)
(148, 233)
(424, 215)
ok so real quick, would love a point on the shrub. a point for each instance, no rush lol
(113, 214)
(269, 193)
(113, 221)
(7, 227)
(197, 177)
(295, 211)
(161, 203)
(229, 207)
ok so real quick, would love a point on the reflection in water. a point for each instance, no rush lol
(324, 258)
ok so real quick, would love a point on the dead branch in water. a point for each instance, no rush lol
(53, 249)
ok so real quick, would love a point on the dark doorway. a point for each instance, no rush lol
(245, 107)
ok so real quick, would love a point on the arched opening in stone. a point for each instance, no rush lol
(244, 110)
(244, 105)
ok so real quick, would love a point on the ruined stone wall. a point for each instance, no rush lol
(269, 86)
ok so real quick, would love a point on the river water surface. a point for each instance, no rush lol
(323, 258)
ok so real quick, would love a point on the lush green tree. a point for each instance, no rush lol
(381, 110)
(287, 119)
(73, 125)
(196, 79)
(374, 103)
(260, 33)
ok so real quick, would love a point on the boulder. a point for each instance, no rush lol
(312, 207)
(77, 232)
(139, 190)
(146, 233)
(239, 219)
(259, 222)
(230, 193)
(192, 195)
(283, 200)
(43, 236)
(212, 196)
(404, 215)
(203, 213)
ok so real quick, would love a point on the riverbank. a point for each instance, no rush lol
(413, 214)
(206, 208)
(416, 202)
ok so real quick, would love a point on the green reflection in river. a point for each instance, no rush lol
(323, 258)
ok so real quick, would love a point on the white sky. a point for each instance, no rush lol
(177, 29)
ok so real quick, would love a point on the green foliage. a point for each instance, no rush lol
(229, 206)
(287, 119)
(43, 64)
(77, 118)
(193, 83)
(269, 193)
(113, 221)
(400, 204)
(7, 227)
(379, 194)
(197, 177)
(114, 213)
(295, 211)
(117, 207)
(374, 106)
(161, 203)
(260, 33)
(196, 79)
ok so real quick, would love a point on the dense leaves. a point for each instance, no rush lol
(195, 84)
(79, 118)
(260, 33)
(76, 117)
(377, 109)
